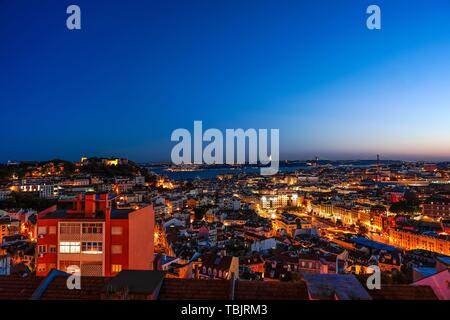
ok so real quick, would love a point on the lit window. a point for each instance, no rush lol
(69, 247)
(41, 267)
(92, 247)
(116, 268)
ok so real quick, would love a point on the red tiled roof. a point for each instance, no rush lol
(403, 292)
(91, 289)
(192, 289)
(255, 290)
(18, 287)
(22, 288)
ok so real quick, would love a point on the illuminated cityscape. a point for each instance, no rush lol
(313, 219)
(223, 158)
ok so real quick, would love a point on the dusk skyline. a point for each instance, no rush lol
(208, 157)
(138, 70)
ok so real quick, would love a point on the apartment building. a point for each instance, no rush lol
(281, 200)
(49, 191)
(436, 207)
(408, 240)
(88, 234)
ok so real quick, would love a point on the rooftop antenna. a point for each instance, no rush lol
(378, 168)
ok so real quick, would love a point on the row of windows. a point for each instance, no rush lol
(92, 247)
(69, 247)
(42, 267)
(84, 247)
(67, 228)
(42, 230)
(215, 272)
(86, 228)
(43, 249)
(74, 247)
(92, 228)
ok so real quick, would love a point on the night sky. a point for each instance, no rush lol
(137, 70)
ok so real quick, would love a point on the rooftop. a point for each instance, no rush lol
(92, 288)
(99, 215)
(332, 286)
(403, 292)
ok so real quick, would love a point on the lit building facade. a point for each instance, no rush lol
(411, 241)
(281, 200)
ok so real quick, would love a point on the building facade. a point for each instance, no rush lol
(88, 235)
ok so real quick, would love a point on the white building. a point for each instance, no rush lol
(279, 200)
(50, 191)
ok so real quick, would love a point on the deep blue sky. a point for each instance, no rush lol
(140, 69)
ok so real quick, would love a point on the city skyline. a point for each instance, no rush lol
(136, 72)
(213, 156)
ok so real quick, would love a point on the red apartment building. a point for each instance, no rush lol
(87, 234)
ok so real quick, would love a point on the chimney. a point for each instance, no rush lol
(107, 232)
(89, 205)
(104, 202)
(78, 202)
